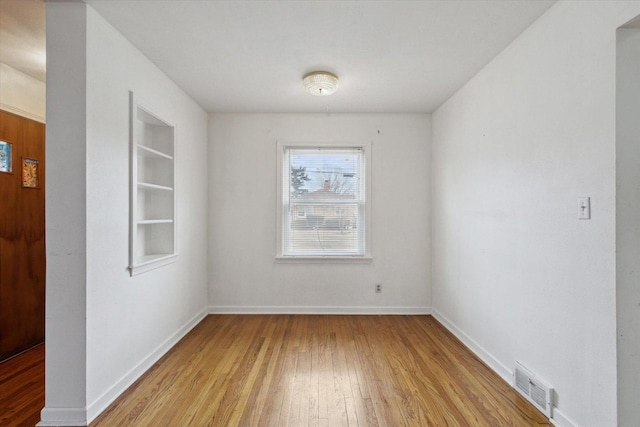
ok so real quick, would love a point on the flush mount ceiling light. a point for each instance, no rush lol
(320, 83)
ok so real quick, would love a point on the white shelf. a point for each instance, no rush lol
(155, 221)
(152, 227)
(145, 151)
(149, 186)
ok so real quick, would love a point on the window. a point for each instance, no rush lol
(324, 201)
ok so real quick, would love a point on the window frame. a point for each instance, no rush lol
(282, 148)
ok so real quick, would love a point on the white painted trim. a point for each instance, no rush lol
(102, 402)
(63, 417)
(229, 309)
(153, 264)
(558, 419)
(17, 111)
(324, 260)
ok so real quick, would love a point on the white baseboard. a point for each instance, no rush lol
(68, 417)
(495, 364)
(559, 419)
(102, 402)
(229, 309)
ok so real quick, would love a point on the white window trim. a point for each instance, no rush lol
(281, 146)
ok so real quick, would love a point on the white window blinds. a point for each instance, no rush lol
(323, 199)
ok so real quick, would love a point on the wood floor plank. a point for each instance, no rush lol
(22, 388)
(291, 370)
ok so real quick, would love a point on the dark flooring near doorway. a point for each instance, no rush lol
(22, 388)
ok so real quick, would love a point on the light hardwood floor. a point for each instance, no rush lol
(290, 370)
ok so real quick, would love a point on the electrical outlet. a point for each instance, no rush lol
(378, 288)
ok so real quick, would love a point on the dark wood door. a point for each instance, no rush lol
(22, 243)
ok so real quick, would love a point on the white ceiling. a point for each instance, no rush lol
(250, 56)
(22, 36)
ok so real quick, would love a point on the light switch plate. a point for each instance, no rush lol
(584, 206)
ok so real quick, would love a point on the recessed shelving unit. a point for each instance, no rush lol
(152, 210)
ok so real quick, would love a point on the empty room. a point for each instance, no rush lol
(337, 213)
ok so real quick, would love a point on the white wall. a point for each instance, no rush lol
(628, 224)
(515, 274)
(21, 94)
(130, 321)
(244, 276)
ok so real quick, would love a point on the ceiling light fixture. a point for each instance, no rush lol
(320, 83)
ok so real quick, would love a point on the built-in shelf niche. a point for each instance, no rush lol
(152, 216)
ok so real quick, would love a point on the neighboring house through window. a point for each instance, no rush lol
(323, 201)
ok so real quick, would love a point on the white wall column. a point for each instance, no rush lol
(628, 224)
(66, 215)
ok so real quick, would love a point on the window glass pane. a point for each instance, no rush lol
(324, 229)
(325, 173)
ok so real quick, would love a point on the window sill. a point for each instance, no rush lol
(324, 259)
(152, 262)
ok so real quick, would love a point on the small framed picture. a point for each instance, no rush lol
(6, 157)
(30, 173)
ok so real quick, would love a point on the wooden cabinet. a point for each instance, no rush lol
(152, 205)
